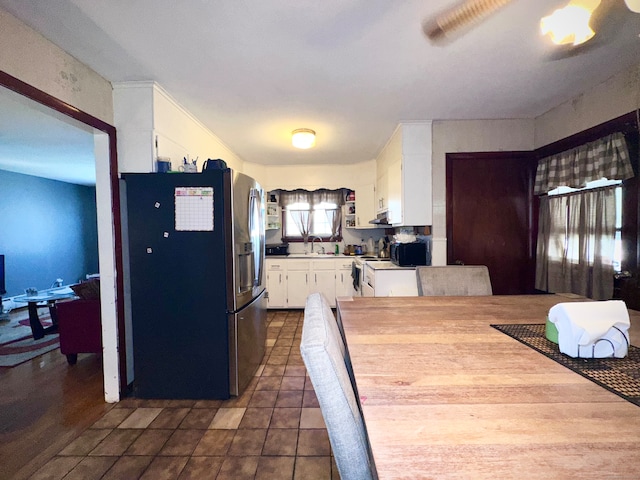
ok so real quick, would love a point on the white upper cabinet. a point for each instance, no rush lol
(382, 187)
(394, 193)
(365, 206)
(357, 213)
(405, 165)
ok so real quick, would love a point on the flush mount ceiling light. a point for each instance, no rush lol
(303, 138)
(634, 5)
(570, 25)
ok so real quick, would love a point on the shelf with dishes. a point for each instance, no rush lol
(273, 216)
(350, 213)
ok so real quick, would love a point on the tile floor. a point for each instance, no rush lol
(274, 430)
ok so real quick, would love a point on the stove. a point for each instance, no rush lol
(361, 263)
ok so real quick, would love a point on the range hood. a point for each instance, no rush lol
(381, 219)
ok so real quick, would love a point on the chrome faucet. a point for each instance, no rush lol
(313, 240)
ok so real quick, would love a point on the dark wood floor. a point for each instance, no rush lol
(44, 404)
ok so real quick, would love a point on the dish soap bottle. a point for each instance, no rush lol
(337, 249)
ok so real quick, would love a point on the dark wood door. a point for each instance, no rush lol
(492, 217)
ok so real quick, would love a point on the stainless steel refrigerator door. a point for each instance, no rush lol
(248, 335)
(248, 240)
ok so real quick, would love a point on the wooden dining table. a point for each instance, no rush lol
(446, 396)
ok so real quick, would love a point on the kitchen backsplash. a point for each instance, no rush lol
(350, 237)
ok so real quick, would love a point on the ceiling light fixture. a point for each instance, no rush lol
(634, 5)
(303, 138)
(571, 23)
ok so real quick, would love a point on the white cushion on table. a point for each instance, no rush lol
(592, 329)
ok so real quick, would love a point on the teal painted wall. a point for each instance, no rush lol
(48, 230)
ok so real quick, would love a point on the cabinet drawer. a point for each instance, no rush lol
(298, 265)
(328, 264)
(275, 266)
(344, 264)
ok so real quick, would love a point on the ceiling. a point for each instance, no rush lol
(35, 140)
(254, 70)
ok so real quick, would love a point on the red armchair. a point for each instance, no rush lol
(79, 327)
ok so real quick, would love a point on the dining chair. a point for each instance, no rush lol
(324, 356)
(453, 280)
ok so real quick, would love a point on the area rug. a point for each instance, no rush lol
(618, 375)
(17, 327)
(21, 351)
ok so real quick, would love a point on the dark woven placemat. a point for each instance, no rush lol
(618, 375)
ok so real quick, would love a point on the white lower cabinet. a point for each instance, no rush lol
(344, 280)
(290, 281)
(323, 279)
(298, 282)
(276, 284)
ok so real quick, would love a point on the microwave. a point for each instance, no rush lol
(410, 254)
(277, 249)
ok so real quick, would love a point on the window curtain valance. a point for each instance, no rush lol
(315, 197)
(607, 157)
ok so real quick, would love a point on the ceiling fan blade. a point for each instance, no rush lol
(462, 16)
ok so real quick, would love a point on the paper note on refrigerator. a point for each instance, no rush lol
(194, 209)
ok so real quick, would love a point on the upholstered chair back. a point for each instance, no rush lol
(324, 354)
(454, 280)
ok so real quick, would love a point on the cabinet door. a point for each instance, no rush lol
(324, 281)
(344, 283)
(276, 282)
(297, 288)
(416, 190)
(395, 192)
(277, 288)
(382, 187)
(365, 206)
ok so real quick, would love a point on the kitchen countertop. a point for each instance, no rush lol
(387, 265)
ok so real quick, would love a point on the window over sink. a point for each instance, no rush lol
(308, 214)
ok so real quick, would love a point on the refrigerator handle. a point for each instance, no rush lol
(255, 222)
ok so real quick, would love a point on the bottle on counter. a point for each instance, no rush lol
(337, 249)
(370, 247)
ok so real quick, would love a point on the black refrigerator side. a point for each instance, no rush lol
(178, 283)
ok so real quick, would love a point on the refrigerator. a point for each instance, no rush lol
(196, 283)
